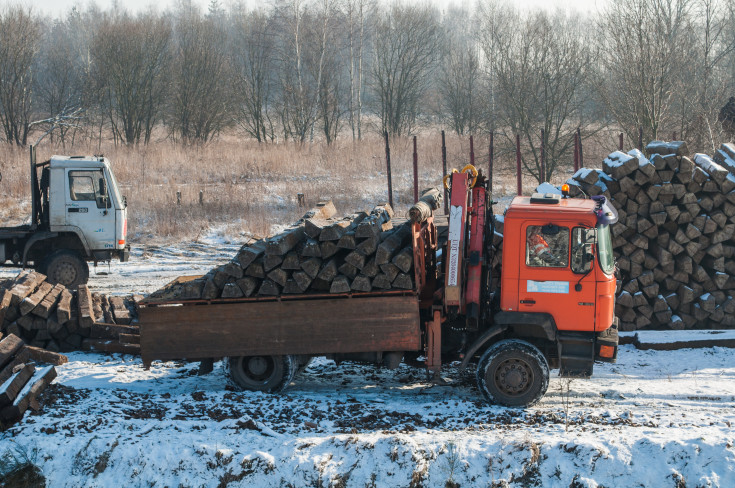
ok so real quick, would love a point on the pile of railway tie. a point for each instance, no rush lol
(319, 254)
(24, 375)
(55, 318)
(674, 239)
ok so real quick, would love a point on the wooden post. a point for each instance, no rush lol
(518, 165)
(576, 152)
(490, 162)
(444, 169)
(472, 151)
(581, 152)
(543, 156)
(201, 197)
(620, 142)
(387, 162)
(415, 172)
(640, 138)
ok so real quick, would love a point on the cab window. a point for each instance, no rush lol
(583, 240)
(547, 246)
(88, 186)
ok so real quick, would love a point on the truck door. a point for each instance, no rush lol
(554, 275)
(88, 207)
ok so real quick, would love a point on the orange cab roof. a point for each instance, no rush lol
(567, 207)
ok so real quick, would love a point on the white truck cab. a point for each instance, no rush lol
(78, 215)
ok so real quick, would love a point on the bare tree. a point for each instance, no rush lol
(540, 66)
(460, 75)
(357, 12)
(252, 51)
(704, 86)
(19, 40)
(131, 58)
(643, 48)
(200, 96)
(62, 79)
(406, 38)
(297, 95)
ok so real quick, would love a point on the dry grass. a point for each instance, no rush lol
(251, 188)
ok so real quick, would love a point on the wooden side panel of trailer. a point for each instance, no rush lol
(323, 326)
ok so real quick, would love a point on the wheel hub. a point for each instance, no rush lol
(258, 367)
(65, 273)
(514, 376)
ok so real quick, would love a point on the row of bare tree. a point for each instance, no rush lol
(306, 69)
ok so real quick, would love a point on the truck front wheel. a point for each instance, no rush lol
(270, 374)
(66, 267)
(513, 373)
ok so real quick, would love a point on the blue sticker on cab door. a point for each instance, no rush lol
(547, 286)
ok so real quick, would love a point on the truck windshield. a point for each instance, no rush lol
(604, 249)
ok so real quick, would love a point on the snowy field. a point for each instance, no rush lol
(656, 418)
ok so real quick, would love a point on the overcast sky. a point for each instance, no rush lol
(60, 7)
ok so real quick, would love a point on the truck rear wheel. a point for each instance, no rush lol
(513, 373)
(66, 267)
(270, 374)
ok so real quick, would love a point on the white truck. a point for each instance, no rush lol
(77, 215)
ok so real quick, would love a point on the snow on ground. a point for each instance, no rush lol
(656, 418)
(152, 266)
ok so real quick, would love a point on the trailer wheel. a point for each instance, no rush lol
(66, 267)
(513, 373)
(270, 374)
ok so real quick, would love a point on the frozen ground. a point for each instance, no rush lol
(152, 266)
(656, 418)
(653, 419)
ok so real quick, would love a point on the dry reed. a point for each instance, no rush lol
(250, 188)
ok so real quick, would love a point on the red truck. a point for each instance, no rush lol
(554, 309)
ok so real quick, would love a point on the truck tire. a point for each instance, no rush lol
(270, 374)
(513, 373)
(66, 267)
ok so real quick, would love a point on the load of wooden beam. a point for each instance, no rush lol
(674, 240)
(23, 377)
(54, 318)
(320, 254)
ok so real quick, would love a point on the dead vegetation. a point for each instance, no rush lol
(247, 187)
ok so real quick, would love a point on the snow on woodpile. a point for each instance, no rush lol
(319, 254)
(23, 377)
(55, 318)
(674, 239)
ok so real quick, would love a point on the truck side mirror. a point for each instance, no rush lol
(103, 187)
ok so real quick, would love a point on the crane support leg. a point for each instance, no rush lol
(434, 343)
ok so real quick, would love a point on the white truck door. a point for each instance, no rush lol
(88, 208)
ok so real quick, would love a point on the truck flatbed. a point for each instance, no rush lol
(310, 324)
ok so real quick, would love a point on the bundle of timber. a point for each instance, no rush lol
(674, 238)
(57, 319)
(319, 254)
(23, 376)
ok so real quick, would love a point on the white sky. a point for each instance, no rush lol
(60, 7)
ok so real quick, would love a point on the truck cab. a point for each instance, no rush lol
(557, 290)
(78, 215)
(558, 260)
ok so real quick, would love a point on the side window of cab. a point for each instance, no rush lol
(88, 186)
(547, 246)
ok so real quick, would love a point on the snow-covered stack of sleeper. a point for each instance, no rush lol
(57, 319)
(23, 376)
(674, 239)
(319, 254)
